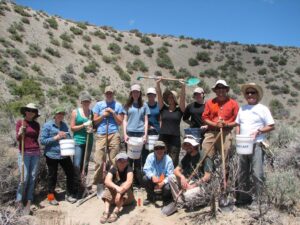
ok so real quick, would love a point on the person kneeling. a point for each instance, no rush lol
(118, 189)
(158, 167)
(188, 166)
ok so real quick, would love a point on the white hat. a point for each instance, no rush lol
(190, 139)
(222, 82)
(151, 90)
(121, 155)
(135, 87)
(198, 90)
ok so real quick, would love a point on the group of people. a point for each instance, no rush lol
(160, 172)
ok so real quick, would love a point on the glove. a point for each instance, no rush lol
(22, 130)
(87, 123)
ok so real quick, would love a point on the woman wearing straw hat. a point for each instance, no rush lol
(52, 132)
(27, 133)
(253, 119)
(171, 113)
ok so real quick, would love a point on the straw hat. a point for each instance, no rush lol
(30, 106)
(255, 86)
(166, 95)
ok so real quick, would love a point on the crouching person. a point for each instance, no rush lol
(158, 167)
(118, 189)
(191, 188)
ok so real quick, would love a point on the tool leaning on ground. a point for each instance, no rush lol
(192, 81)
(22, 165)
(172, 207)
(86, 194)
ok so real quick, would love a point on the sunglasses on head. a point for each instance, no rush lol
(251, 92)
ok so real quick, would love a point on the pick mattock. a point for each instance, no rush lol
(171, 208)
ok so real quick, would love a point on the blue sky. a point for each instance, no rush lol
(274, 22)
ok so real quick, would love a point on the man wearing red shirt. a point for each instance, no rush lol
(219, 112)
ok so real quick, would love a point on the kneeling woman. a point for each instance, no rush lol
(118, 190)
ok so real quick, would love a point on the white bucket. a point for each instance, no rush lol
(244, 144)
(134, 147)
(67, 147)
(151, 141)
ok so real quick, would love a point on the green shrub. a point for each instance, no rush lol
(146, 40)
(203, 56)
(83, 52)
(296, 85)
(183, 46)
(193, 62)
(19, 57)
(167, 44)
(149, 51)
(209, 73)
(18, 73)
(140, 65)
(66, 37)
(76, 30)
(122, 74)
(282, 61)
(262, 71)
(114, 48)
(52, 23)
(34, 50)
(198, 41)
(55, 42)
(68, 79)
(277, 109)
(4, 66)
(6, 43)
(258, 62)
(92, 67)
(164, 61)
(108, 59)
(37, 69)
(297, 70)
(16, 37)
(136, 32)
(97, 48)
(162, 50)
(67, 45)
(182, 73)
(25, 20)
(134, 49)
(292, 102)
(53, 52)
(21, 10)
(275, 58)
(251, 49)
(47, 58)
(99, 34)
(82, 25)
(86, 38)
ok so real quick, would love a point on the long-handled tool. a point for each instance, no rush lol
(22, 164)
(171, 208)
(223, 158)
(189, 82)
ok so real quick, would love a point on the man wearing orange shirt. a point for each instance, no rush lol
(219, 112)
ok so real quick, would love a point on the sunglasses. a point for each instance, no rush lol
(122, 160)
(251, 92)
(221, 87)
(31, 110)
(159, 148)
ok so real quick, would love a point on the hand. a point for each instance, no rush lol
(204, 127)
(21, 130)
(126, 138)
(105, 113)
(158, 80)
(61, 135)
(109, 110)
(155, 179)
(184, 183)
(89, 130)
(182, 81)
(221, 123)
(144, 139)
(160, 185)
(118, 189)
(87, 123)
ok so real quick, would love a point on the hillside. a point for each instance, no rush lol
(57, 58)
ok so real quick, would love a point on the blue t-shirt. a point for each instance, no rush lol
(99, 108)
(154, 116)
(136, 117)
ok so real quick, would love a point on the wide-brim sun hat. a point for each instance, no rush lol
(166, 95)
(255, 86)
(222, 82)
(30, 106)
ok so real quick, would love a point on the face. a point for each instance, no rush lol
(251, 96)
(221, 90)
(121, 164)
(199, 97)
(187, 147)
(30, 114)
(109, 96)
(59, 116)
(151, 97)
(159, 152)
(171, 99)
(135, 95)
(85, 104)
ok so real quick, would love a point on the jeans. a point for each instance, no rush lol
(79, 157)
(250, 165)
(149, 186)
(31, 164)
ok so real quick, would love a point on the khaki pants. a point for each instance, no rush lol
(210, 137)
(100, 156)
(110, 195)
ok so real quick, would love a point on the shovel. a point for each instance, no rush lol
(192, 81)
(22, 165)
(172, 207)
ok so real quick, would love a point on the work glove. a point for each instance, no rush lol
(22, 130)
(87, 123)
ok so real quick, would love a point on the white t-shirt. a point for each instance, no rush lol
(252, 117)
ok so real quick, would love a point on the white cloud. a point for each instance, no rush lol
(131, 22)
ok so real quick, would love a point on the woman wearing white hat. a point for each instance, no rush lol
(27, 133)
(253, 119)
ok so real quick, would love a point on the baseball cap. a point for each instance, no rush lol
(109, 89)
(191, 140)
(135, 87)
(151, 90)
(159, 144)
(121, 155)
(198, 90)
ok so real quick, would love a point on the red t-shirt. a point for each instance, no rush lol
(215, 110)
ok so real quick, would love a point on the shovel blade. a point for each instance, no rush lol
(169, 209)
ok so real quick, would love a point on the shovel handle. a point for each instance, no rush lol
(22, 152)
(223, 158)
(159, 77)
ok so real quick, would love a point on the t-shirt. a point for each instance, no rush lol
(252, 117)
(194, 111)
(136, 117)
(189, 163)
(99, 108)
(154, 116)
(170, 121)
(122, 176)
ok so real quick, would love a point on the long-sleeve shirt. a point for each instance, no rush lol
(32, 131)
(49, 130)
(154, 167)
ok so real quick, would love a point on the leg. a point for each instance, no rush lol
(99, 158)
(52, 165)
(34, 164)
(149, 187)
(67, 166)
(209, 138)
(243, 196)
(22, 187)
(258, 169)
(166, 193)
(145, 153)
(114, 141)
(174, 186)
(77, 161)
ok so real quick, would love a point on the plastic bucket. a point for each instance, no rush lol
(67, 147)
(134, 147)
(151, 141)
(244, 144)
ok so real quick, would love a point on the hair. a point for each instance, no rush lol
(129, 101)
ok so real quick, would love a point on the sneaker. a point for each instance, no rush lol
(70, 199)
(51, 199)
(148, 201)
(53, 202)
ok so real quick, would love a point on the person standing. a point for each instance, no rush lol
(29, 129)
(219, 112)
(82, 128)
(193, 115)
(108, 116)
(52, 132)
(255, 120)
(171, 113)
(135, 124)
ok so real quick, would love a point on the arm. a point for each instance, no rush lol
(109, 183)
(73, 125)
(125, 127)
(182, 96)
(186, 115)
(238, 129)
(264, 129)
(118, 117)
(182, 178)
(159, 94)
(45, 138)
(148, 168)
(128, 183)
(18, 126)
